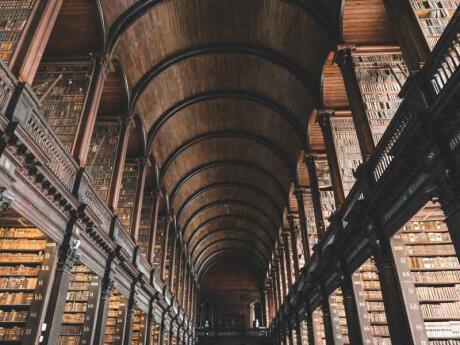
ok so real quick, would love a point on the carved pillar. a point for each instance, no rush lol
(154, 226)
(315, 196)
(87, 121)
(293, 244)
(303, 223)
(328, 327)
(144, 164)
(132, 305)
(68, 256)
(102, 313)
(31, 47)
(150, 323)
(334, 169)
(275, 289)
(165, 249)
(120, 159)
(282, 274)
(344, 58)
(287, 257)
(310, 329)
(162, 329)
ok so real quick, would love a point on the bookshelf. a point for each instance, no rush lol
(304, 332)
(159, 250)
(326, 193)
(298, 243)
(433, 17)
(311, 225)
(145, 224)
(139, 327)
(101, 156)
(347, 148)
(127, 197)
(26, 258)
(63, 87)
(435, 273)
(13, 18)
(155, 333)
(371, 297)
(339, 319)
(318, 327)
(381, 76)
(80, 307)
(116, 319)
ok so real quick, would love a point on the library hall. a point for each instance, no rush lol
(229, 172)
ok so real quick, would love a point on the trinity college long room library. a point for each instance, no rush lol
(229, 172)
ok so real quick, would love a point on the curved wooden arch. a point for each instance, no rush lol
(229, 184)
(272, 56)
(223, 163)
(225, 202)
(290, 118)
(266, 143)
(139, 8)
(233, 230)
(222, 253)
(236, 216)
(220, 229)
(197, 260)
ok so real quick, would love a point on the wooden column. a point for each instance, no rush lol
(33, 41)
(282, 273)
(344, 58)
(172, 260)
(154, 226)
(132, 304)
(178, 270)
(327, 317)
(144, 164)
(334, 168)
(150, 323)
(310, 329)
(119, 164)
(408, 32)
(162, 329)
(392, 298)
(277, 286)
(102, 313)
(303, 223)
(87, 121)
(185, 286)
(315, 196)
(67, 259)
(165, 249)
(358, 330)
(287, 257)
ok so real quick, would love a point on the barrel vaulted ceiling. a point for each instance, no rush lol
(225, 89)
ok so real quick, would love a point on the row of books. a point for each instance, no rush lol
(434, 262)
(441, 310)
(115, 319)
(433, 4)
(21, 244)
(17, 283)
(439, 293)
(443, 329)
(20, 233)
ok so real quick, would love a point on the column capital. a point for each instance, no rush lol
(324, 118)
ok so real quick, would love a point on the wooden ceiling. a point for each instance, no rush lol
(226, 91)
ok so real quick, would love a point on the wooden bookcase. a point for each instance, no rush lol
(380, 76)
(433, 17)
(371, 298)
(80, 307)
(347, 148)
(139, 327)
(155, 333)
(13, 18)
(101, 156)
(339, 319)
(311, 225)
(116, 319)
(427, 261)
(161, 227)
(318, 327)
(127, 198)
(63, 87)
(27, 257)
(145, 224)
